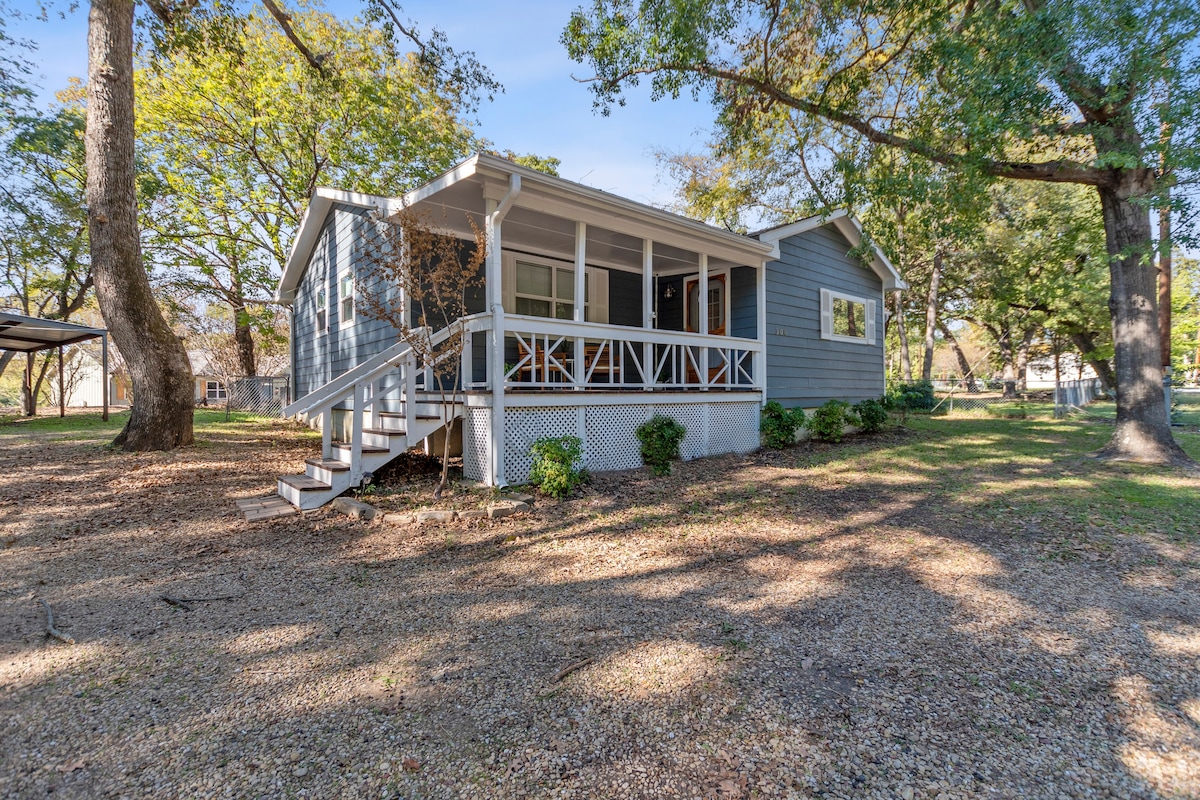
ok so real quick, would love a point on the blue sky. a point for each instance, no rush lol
(543, 109)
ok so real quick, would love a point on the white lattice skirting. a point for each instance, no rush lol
(607, 431)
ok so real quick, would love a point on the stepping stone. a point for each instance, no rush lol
(260, 508)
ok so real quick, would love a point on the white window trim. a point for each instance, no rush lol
(597, 277)
(827, 298)
(342, 321)
(215, 390)
(318, 307)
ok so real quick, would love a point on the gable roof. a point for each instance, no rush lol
(541, 191)
(850, 228)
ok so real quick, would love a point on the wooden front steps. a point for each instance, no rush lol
(326, 478)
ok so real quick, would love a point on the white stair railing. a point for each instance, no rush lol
(366, 387)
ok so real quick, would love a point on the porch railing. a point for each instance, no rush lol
(544, 353)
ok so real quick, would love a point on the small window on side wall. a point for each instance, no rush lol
(846, 318)
(346, 298)
(322, 315)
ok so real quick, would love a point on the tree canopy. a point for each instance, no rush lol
(1043, 90)
(236, 138)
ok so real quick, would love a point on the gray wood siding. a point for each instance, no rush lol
(624, 298)
(319, 356)
(802, 368)
(743, 303)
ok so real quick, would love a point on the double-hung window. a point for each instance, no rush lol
(322, 315)
(215, 390)
(346, 298)
(546, 291)
(846, 318)
(538, 288)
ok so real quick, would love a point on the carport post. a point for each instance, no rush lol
(104, 374)
(62, 387)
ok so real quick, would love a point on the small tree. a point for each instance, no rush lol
(422, 275)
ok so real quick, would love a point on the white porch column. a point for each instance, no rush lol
(702, 317)
(648, 320)
(496, 205)
(580, 298)
(760, 357)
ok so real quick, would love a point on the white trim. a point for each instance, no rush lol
(543, 398)
(851, 229)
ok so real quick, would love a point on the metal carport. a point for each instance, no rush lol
(24, 334)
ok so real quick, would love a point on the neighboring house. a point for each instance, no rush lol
(208, 388)
(789, 315)
(266, 392)
(83, 375)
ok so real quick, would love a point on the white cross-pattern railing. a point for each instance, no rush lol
(544, 353)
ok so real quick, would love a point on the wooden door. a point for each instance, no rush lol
(717, 322)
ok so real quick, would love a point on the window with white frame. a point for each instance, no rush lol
(346, 298)
(545, 291)
(215, 390)
(538, 288)
(322, 315)
(847, 318)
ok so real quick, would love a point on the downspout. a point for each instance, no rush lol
(495, 296)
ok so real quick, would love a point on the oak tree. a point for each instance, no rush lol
(1041, 90)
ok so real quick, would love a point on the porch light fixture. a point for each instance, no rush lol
(669, 292)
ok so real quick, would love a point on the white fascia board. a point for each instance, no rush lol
(850, 228)
(460, 172)
(310, 229)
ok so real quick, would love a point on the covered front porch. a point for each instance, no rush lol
(595, 313)
(586, 291)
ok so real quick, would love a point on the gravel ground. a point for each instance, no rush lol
(750, 627)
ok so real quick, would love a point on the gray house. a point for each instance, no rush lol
(788, 314)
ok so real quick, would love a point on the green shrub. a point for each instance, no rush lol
(872, 416)
(660, 438)
(779, 425)
(829, 421)
(557, 465)
(914, 396)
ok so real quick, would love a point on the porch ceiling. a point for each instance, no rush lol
(531, 226)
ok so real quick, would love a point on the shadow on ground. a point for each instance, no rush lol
(969, 608)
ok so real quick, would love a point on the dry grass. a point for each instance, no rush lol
(967, 609)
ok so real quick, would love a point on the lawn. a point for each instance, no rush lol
(963, 607)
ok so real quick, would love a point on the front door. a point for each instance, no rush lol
(716, 316)
(716, 305)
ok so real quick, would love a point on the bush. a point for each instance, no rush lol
(914, 396)
(828, 422)
(779, 425)
(872, 416)
(660, 438)
(557, 465)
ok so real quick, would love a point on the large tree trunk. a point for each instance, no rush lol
(1023, 360)
(931, 315)
(1087, 348)
(1142, 432)
(161, 416)
(1009, 360)
(905, 359)
(242, 336)
(964, 366)
(244, 340)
